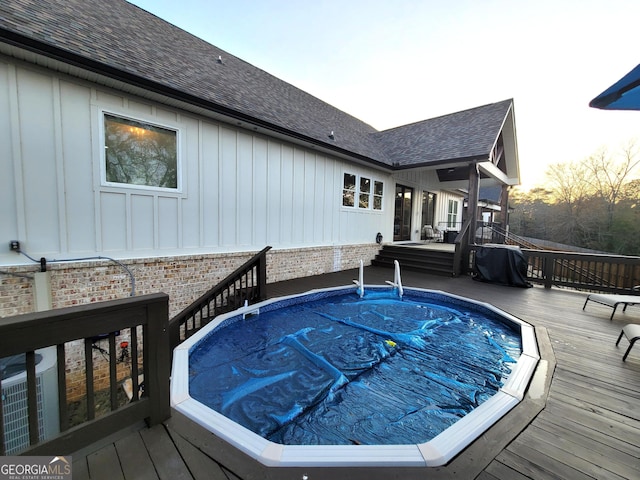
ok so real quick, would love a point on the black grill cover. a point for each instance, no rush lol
(503, 264)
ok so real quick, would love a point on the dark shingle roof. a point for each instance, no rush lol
(463, 135)
(118, 39)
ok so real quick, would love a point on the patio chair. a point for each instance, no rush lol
(632, 332)
(613, 300)
(431, 234)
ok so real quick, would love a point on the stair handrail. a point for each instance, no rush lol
(249, 280)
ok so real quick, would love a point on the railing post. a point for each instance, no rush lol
(262, 276)
(157, 365)
(457, 260)
(547, 270)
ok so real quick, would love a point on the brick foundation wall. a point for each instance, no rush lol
(183, 278)
(16, 291)
(305, 262)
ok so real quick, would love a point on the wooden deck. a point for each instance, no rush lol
(588, 426)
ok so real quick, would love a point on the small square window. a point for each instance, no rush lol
(139, 153)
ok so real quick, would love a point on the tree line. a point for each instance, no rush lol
(593, 203)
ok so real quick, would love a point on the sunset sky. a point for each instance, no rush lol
(391, 63)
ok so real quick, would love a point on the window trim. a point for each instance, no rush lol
(452, 213)
(150, 121)
(357, 192)
(374, 195)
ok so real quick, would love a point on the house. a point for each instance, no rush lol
(134, 153)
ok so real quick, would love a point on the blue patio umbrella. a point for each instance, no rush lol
(622, 95)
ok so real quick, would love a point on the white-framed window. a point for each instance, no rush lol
(139, 153)
(349, 190)
(452, 214)
(378, 191)
(364, 198)
(368, 192)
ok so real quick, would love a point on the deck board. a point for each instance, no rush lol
(564, 404)
(134, 458)
(103, 464)
(590, 425)
(582, 453)
(588, 428)
(591, 446)
(164, 454)
(500, 471)
(533, 463)
(80, 468)
(201, 466)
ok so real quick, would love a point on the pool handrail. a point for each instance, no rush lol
(360, 282)
(397, 281)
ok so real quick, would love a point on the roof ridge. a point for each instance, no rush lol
(459, 112)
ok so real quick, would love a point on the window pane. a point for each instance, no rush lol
(452, 214)
(349, 181)
(137, 153)
(348, 197)
(349, 190)
(364, 200)
(365, 185)
(377, 195)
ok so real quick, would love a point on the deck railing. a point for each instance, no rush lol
(463, 247)
(93, 329)
(144, 322)
(579, 270)
(590, 272)
(247, 283)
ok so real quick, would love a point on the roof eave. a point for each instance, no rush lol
(114, 73)
(449, 161)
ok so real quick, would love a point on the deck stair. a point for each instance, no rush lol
(410, 257)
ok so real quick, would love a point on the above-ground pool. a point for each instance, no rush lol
(331, 379)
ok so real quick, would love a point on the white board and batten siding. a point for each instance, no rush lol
(239, 190)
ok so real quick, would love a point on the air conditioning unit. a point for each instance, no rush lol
(14, 400)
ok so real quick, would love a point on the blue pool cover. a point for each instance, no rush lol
(344, 370)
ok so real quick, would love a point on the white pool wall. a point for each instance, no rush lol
(436, 452)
